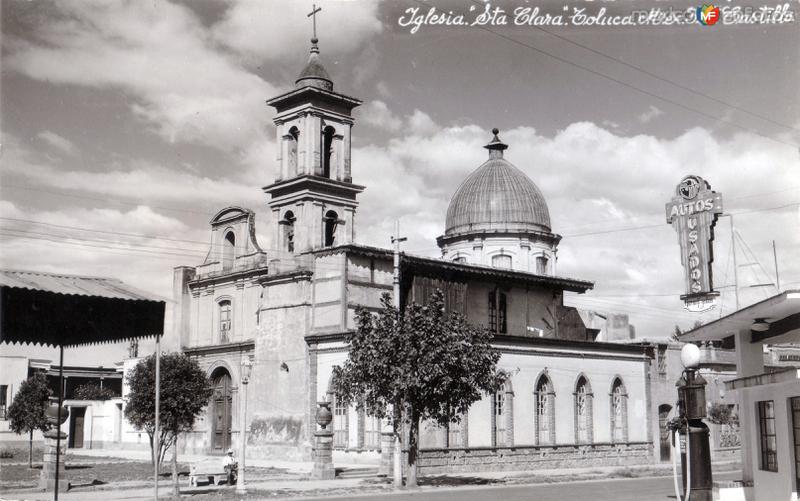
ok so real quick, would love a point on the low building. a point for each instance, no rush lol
(769, 400)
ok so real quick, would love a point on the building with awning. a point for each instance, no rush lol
(68, 311)
(769, 412)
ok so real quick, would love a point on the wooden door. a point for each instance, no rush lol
(221, 418)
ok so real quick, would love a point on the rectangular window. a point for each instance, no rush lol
(766, 427)
(501, 313)
(224, 321)
(795, 404)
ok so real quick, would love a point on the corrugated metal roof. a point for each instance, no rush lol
(67, 310)
(73, 284)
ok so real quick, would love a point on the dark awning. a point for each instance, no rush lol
(67, 310)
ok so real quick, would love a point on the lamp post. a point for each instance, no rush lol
(247, 368)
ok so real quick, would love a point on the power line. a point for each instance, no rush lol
(667, 80)
(107, 200)
(625, 84)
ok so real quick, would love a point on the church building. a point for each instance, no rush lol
(570, 401)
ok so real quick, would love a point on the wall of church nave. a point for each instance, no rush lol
(563, 372)
(524, 309)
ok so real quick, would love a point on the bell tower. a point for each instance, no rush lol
(313, 198)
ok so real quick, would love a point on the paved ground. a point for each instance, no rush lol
(629, 489)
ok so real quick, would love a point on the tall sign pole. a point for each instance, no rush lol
(693, 212)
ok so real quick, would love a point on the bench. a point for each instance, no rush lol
(212, 473)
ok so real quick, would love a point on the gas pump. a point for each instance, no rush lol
(691, 431)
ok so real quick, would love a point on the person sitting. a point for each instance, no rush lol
(230, 466)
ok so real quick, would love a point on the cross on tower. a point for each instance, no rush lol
(313, 16)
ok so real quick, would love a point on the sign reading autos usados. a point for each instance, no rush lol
(693, 212)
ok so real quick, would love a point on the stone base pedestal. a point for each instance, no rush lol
(387, 454)
(47, 480)
(323, 456)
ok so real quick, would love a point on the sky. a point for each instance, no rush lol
(127, 125)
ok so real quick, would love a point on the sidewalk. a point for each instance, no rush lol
(294, 488)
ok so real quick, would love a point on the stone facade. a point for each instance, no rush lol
(543, 457)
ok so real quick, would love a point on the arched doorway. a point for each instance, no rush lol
(221, 406)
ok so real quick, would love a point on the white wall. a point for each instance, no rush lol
(780, 485)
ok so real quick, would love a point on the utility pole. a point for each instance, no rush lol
(397, 414)
(735, 266)
(777, 276)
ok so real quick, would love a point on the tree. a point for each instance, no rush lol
(185, 391)
(26, 413)
(676, 336)
(431, 364)
(93, 391)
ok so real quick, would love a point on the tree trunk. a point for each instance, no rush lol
(30, 450)
(413, 446)
(152, 450)
(175, 488)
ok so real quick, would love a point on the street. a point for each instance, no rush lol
(634, 489)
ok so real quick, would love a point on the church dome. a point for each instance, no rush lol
(496, 198)
(314, 74)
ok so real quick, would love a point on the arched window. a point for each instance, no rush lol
(498, 419)
(288, 230)
(372, 432)
(460, 259)
(545, 417)
(228, 250)
(619, 412)
(327, 150)
(292, 138)
(584, 433)
(541, 265)
(501, 261)
(502, 412)
(331, 221)
(456, 432)
(225, 321)
(497, 312)
(341, 420)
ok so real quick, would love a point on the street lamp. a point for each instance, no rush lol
(247, 368)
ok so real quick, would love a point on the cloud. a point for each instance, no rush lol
(606, 193)
(160, 54)
(58, 142)
(651, 113)
(139, 180)
(377, 114)
(262, 30)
